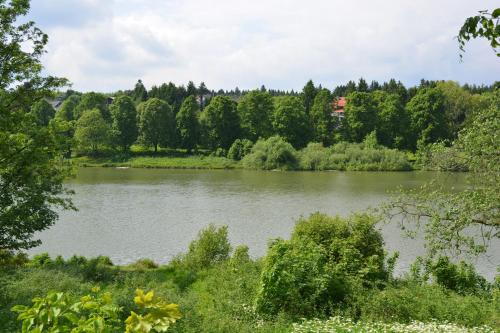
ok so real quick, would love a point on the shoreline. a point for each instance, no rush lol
(200, 162)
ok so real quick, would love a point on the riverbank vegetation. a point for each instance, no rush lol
(396, 121)
(331, 266)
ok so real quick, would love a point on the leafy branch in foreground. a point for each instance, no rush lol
(95, 313)
(484, 25)
(464, 221)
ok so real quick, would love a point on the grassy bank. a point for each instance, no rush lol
(161, 162)
(271, 154)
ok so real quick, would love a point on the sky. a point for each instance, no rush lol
(107, 45)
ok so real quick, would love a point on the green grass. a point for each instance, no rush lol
(160, 162)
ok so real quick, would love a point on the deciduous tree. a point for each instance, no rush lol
(92, 131)
(321, 118)
(290, 120)
(256, 109)
(360, 115)
(188, 125)
(221, 122)
(124, 127)
(156, 123)
(32, 169)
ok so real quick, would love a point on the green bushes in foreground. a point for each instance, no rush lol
(322, 266)
(95, 312)
(331, 266)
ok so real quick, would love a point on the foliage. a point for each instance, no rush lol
(427, 117)
(460, 105)
(255, 110)
(140, 93)
(460, 222)
(352, 156)
(95, 312)
(321, 118)
(211, 247)
(340, 324)
(159, 317)
(360, 115)
(462, 278)
(308, 95)
(220, 122)
(405, 302)
(90, 101)
(124, 127)
(290, 120)
(322, 265)
(67, 109)
(43, 112)
(9, 259)
(392, 120)
(239, 149)
(188, 125)
(314, 157)
(156, 123)
(484, 25)
(32, 168)
(270, 154)
(92, 130)
(57, 313)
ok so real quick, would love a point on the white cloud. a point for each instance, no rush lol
(110, 44)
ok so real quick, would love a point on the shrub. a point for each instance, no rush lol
(406, 302)
(239, 149)
(240, 255)
(314, 157)
(40, 260)
(9, 259)
(143, 264)
(211, 247)
(219, 152)
(272, 153)
(462, 278)
(321, 266)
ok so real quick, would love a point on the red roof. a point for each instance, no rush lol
(341, 102)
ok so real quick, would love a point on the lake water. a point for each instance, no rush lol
(128, 214)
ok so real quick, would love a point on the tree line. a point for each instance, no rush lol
(195, 117)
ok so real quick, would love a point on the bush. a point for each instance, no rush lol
(314, 157)
(406, 302)
(239, 149)
(143, 264)
(366, 156)
(9, 259)
(462, 278)
(270, 154)
(211, 247)
(322, 265)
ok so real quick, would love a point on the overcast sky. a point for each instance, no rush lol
(106, 45)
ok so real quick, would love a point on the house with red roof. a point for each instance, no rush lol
(338, 107)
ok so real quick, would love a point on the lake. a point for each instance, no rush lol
(128, 214)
